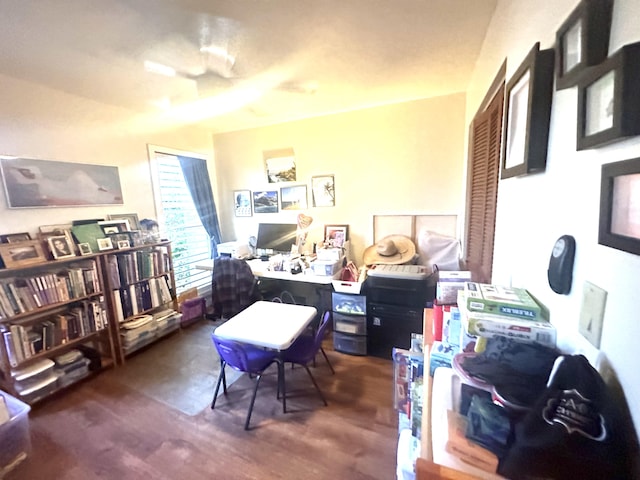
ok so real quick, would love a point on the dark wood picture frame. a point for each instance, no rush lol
(336, 235)
(608, 100)
(619, 224)
(15, 237)
(582, 40)
(527, 114)
(15, 255)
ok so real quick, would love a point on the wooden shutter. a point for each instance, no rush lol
(482, 196)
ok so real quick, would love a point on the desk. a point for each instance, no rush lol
(270, 325)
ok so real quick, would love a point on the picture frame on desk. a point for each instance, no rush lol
(21, 254)
(336, 235)
(608, 104)
(527, 115)
(619, 223)
(582, 40)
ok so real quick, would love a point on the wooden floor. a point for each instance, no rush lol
(103, 429)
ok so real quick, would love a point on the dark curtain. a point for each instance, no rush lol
(196, 176)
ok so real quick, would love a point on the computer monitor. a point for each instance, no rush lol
(276, 236)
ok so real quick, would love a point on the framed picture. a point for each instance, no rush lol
(608, 104)
(123, 244)
(104, 244)
(22, 254)
(582, 40)
(110, 227)
(15, 237)
(336, 235)
(280, 165)
(527, 115)
(294, 198)
(60, 247)
(242, 203)
(323, 191)
(131, 218)
(265, 201)
(32, 183)
(619, 225)
(85, 249)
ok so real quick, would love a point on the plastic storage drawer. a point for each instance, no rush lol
(355, 325)
(351, 304)
(353, 344)
(14, 434)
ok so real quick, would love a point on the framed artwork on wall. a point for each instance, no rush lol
(242, 203)
(619, 224)
(265, 201)
(280, 165)
(608, 103)
(527, 114)
(582, 40)
(323, 191)
(294, 198)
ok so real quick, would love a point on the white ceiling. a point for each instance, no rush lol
(293, 58)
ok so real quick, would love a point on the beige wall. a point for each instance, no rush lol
(534, 210)
(46, 124)
(402, 158)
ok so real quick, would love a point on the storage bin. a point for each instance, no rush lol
(14, 434)
(355, 325)
(352, 344)
(351, 304)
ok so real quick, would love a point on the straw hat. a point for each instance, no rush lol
(391, 250)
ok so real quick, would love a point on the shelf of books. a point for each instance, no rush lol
(141, 288)
(55, 326)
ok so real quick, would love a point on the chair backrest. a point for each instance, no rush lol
(233, 286)
(322, 329)
(232, 353)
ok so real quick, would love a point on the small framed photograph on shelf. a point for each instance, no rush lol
(15, 237)
(242, 203)
(60, 247)
(104, 244)
(336, 235)
(123, 244)
(84, 249)
(582, 40)
(131, 218)
(619, 224)
(110, 227)
(15, 255)
(527, 115)
(608, 103)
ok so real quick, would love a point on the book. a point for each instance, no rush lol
(459, 445)
(496, 299)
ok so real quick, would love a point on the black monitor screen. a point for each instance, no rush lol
(276, 236)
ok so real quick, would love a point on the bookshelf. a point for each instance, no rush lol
(55, 327)
(140, 286)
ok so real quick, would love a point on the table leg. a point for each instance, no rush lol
(282, 383)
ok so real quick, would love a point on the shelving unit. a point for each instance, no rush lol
(55, 326)
(141, 294)
(349, 323)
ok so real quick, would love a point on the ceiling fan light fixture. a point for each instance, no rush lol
(219, 52)
(159, 68)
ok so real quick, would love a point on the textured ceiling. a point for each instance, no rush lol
(291, 58)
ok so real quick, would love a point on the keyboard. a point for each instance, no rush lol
(403, 272)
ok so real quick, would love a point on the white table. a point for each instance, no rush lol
(270, 325)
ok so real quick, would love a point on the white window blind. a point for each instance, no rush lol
(179, 221)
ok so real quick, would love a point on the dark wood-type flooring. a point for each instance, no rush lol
(103, 429)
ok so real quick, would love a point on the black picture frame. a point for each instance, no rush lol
(619, 223)
(582, 40)
(527, 115)
(608, 100)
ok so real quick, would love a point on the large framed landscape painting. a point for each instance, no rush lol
(30, 183)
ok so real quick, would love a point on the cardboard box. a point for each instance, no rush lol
(441, 356)
(449, 283)
(496, 299)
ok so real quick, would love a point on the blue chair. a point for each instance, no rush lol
(305, 348)
(244, 358)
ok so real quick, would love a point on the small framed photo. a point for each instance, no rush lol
(85, 249)
(619, 223)
(110, 227)
(60, 247)
(131, 218)
(293, 198)
(15, 237)
(22, 254)
(582, 40)
(242, 203)
(336, 235)
(123, 244)
(607, 102)
(323, 191)
(527, 115)
(104, 244)
(265, 201)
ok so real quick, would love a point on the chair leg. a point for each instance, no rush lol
(224, 376)
(221, 378)
(253, 400)
(333, 372)
(316, 385)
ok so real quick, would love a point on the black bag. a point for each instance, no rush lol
(574, 430)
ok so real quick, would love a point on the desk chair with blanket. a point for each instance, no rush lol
(233, 287)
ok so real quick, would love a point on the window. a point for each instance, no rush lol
(179, 220)
(482, 183)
